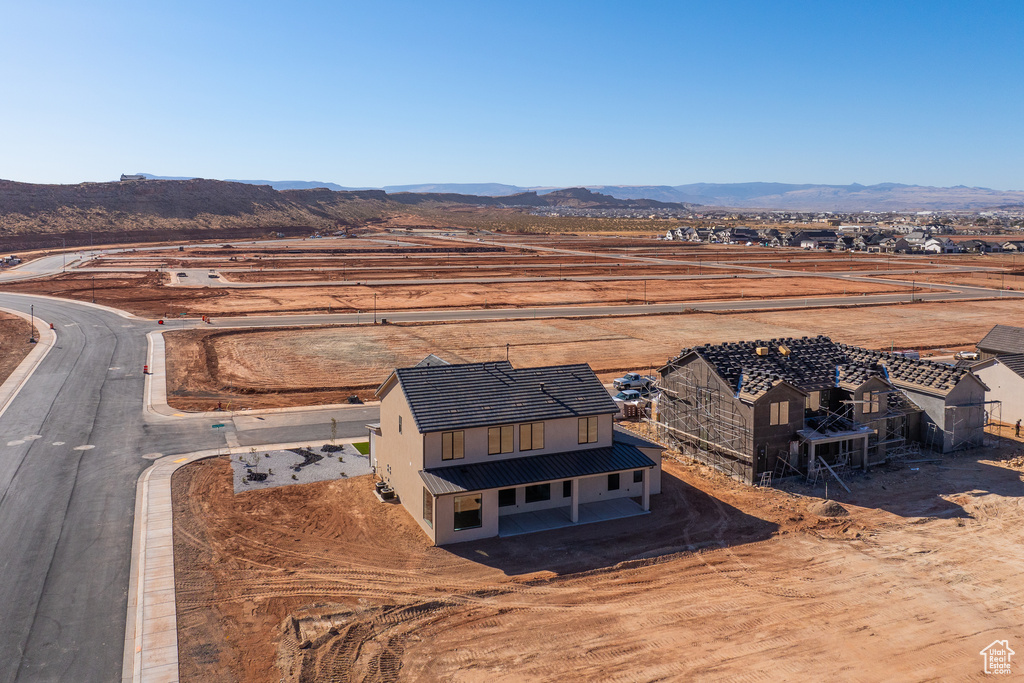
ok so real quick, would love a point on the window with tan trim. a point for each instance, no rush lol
(499, 439)
(779, 413)
(531, 436)
(453, 445)
(588, 429)
(871, 402)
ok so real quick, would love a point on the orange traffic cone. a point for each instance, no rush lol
(145, 369)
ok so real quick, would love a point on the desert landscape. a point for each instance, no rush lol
(255, 368)
(907, 577)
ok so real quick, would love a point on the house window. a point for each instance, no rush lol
(588, 429)
(613, 481)
(871, 402)
(399, 424)
(531, 436)
(638, 476)
(468, 512)
(452, 445)
(506, 497)
(813, 401)
(538, 492)
(567, 488)
(499, 440)
(780, 413)
(428, 507)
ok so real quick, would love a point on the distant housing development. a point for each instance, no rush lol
(483, 449)
(759, 409)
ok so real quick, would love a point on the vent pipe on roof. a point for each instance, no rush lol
(542, 386)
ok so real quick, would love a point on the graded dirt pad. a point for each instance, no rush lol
(721, 581)
(1010, 280)
(139, 293)
(14, 343)
(282, 367)
(145, 294)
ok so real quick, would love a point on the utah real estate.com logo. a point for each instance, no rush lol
(997, 657)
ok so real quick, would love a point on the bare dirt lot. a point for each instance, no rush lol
(720, 582)
(14, 344)
(145, 294)
(281, 367)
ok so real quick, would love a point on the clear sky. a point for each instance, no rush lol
(376, 93)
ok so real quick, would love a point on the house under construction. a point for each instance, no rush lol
(758, 409)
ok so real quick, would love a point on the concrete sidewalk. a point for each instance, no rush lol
(151, 632)
(46, 338)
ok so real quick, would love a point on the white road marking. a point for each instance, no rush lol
(59, 443)
(32, 437)
(153, 456)
(86, 447)
(16, 442)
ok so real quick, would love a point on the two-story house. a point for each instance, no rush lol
(784, 406)
(472, 449)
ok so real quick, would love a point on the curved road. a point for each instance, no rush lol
(71, 452)
(75, 440)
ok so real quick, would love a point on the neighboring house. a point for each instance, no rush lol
(468, 448)
(974, 246)
(742, 407)
(940, 245)
(1004, 376)
(1001, 340)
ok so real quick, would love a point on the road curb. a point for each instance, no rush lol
(12, 385)
(151, 631)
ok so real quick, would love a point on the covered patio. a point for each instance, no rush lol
(560, 517)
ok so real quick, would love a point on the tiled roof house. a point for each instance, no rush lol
(743, 406)
(471, 448)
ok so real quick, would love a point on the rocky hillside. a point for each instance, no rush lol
(172, 204)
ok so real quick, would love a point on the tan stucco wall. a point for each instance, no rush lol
(559, 436)
(400, 455)
(1007, 386)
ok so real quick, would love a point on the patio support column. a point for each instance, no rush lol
(810, 457)
(864, 453)
(647, 491)
(574, 515)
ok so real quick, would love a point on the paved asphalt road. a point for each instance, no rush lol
(71, 447)
(71, 451)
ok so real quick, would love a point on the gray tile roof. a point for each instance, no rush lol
(1014, 362)
(480, 394)
(1003, 339)
(532, 469)
(906, 373)
(815, 363)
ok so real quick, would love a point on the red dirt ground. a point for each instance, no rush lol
(721, 581)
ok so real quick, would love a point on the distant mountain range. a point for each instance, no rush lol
(781, 196)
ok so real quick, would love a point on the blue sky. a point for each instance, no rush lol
(528, 93)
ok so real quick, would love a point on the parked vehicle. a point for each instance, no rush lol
(912, 355)
(627, 396)
(182, 274)
(967, 355)
(633, 380)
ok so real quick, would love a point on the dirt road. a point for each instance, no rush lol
(721, 582)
